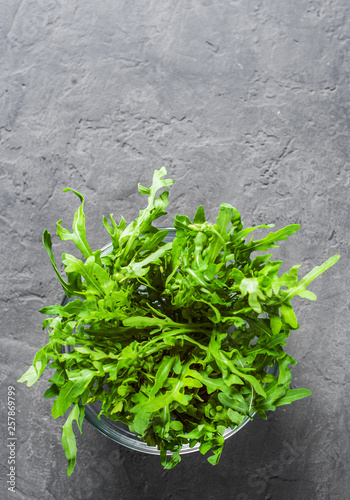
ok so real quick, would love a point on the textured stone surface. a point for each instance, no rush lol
(245, 102)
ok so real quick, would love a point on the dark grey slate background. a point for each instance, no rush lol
(244, 102)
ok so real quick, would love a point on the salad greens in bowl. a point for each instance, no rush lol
(175, 338)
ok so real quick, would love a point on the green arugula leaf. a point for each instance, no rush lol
(289, 315)
(78, 236)
(269, 241)
(292, 395)
(162, 374)
(299, 289)
(95, 276)
(251, 287)
(40, 362)
(74, 387)
(69, 290)
(68, 438)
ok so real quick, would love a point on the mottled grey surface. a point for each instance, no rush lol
(244, 102)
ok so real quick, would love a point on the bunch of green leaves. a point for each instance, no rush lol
(173, 339)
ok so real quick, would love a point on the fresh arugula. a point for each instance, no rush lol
(173, 339)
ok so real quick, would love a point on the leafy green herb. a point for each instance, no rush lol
(172, 338)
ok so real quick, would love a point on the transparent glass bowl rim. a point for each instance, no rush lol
(118, 432)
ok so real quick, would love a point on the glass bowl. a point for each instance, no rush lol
(118, 431)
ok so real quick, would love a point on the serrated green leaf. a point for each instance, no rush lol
(78, 236)
(139, 268)
(292, 395)
(214, 459)
(143, 189)
(74, 387)
(309, 277)
(275, 324)
(162, 374)
(251, 287)
(69, 290)
(307, 294)
(95, 276)
(199, 217)
(40, 362)
(68, 437)
(174, 460)
(52, 391)
(289, 315)
(73, 308)
(269, 241)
